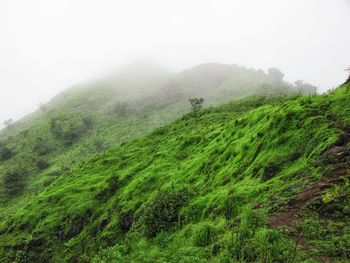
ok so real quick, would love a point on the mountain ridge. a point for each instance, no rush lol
(198, 189)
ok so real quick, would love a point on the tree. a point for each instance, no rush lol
(41, 146)
(196, 104)
(276, 74)
(43, 107)
(13, 182)
(348, 70)
(67, 129)
(5, 153)
(305, 88)
(121, 109)
(8, 123)
(42, 164)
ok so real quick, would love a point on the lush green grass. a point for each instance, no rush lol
(94, 117)
(197, 190)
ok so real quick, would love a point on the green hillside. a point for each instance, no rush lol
(264, 179)
(93, 117)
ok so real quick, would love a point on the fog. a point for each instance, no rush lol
(47, 46)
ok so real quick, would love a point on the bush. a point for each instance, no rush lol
(231, 205)
(42, 164)
(88, 122)
(121, 109)
(41, 147)
(99, 145)
(5, 153)
(112, 184)
(67, 129)
(162, 212)
(13, 182)
(204, 235)
(251, 241)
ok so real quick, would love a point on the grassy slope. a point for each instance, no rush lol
(154, 99)
(197, 190)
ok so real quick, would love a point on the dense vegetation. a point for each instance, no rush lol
(262, 179)
(94, 117)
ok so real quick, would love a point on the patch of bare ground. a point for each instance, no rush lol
(338, 158)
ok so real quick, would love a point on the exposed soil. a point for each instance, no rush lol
(315, 190)
(296, 205)
(338, 158)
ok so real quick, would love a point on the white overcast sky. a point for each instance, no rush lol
(47, 46)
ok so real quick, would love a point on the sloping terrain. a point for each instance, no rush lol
(94, 117)
(264, 179)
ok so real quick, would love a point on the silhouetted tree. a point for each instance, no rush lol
(41, 146)
(276, 74)
(5, 153)
(305, 88)
(196, 104)
(121, 109)
(13, 182)
(43, 107)
(42, 164)
(8, 123)
(66, 129)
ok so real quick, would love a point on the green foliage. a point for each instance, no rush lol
(161, 213)
(276, 74)
(121, 109)
(204, 235)
(142, 215)
(252, 241)
(41, 146)
(329, 238)
(69, 131)
(5, 153)
(42, 164)
(112, 184)
(99, 145)
(197, 104)
(14, 182)
(88, 122)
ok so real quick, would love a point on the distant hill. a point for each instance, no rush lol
(93, 117)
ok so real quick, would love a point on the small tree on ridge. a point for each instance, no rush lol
(196, 104)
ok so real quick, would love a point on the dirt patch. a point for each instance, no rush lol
(336, 157)
(295, 206)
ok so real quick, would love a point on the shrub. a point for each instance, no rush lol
(67, 129)
(204, 235)
(41, 147)
(251, 241)
(5, 153)
(99, 145)
(88, 122)
(109, 190)
(231, 206)
(162, 212)
(42, 164)
(121, 109)
(13, 182)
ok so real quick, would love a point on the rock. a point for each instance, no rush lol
(337, 154)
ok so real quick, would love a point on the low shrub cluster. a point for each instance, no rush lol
(161, 213)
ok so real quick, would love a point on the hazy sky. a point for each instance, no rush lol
(47, 46)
